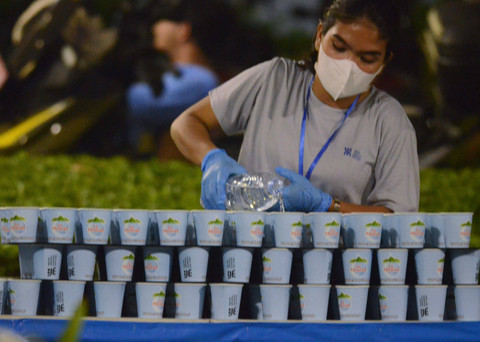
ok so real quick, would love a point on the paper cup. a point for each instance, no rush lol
(150, 299)
(193, 263)
(24, 294)
(317, 266)
(352, 302)
(465, 266)
(393, 300)
(95, 225)
(47, 260)
(3, 294)
(458, 228)
(226, 299)
(435, 233)
(172, 226)
(249, 228)
(132, 225)
(119, 263)
(81, 262)
(390, 232)
(109, 298)
(411, 229)
(67, 296)
(430, 302)
(5, 225)
(467, 299)
(325, 228)
(209, 226)
(23, 224)
(158, 263)
(189, 299)
(392, 265)
(25, 258)
(277, 265)
(357, 265)
(314, 302)
(287, 228)
(275, 301)
(429, 264)
(237, 264)
(59, 223)
(364, 230)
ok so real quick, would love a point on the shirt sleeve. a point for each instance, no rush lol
(232, 102)
(397, 179)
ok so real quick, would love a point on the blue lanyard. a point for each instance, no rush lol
(324, 148)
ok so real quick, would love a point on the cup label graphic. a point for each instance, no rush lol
(465, 231)
(5, 226)
(391, 267)
(151, 264)
(60, 304)
(131, 227)
(331, 231)
(232, 306)
(170, 227)
(13, 297)
(373, 231)
(127, 264)
(60, 226)
(302, 302)
(417, 231)
(52, 266)
(344, 302)
(158, 301)
(440, 266)
(215, 229)
(267, 265)
(296, 231)
(17, 225)
(423, 306)
(187, 268)
(230, 268)
(358, 267)
(71, 266)
(256, 229)
(95, 227)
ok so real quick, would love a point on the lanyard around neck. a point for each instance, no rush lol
(324, 148)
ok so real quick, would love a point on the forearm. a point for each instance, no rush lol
(346, 207)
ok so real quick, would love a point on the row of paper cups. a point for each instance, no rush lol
(267, 302)
(244, 229)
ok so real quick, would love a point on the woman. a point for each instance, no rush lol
(343, 144)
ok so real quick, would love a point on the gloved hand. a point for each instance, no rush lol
(301, 195)
(217, 167)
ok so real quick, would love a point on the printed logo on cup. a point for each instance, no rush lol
(232, 305)
(60, 225)
(331, 230)
(187, 268)
(358, 267)
(5, 225)
(391, 266)
(215, 228)
(60, 305)
(71, 266)
(127, 264)
(52, 266)
(440, 266)
(302, 302)
(151, 264)
(131, 227)
(158, 301)
(256, 229)
(13, 296)
(296, 232)
(373, 231)
(230, 268)
(267, 265)
(383, 303)
(423, 306)
(170, 227)
(344, 302)
(465, 231)
(17, 225)
(177, 302)
(95, 227)
(417, 230)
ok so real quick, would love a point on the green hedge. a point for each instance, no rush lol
(84, 181)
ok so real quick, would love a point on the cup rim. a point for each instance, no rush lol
(57, 208)
(68, 282)
(393, 285)
(314, 285)
(392, 249)
(150, 283)
(466, 286)
(406, 213)
(207, 211)
(24, 280)
(358, 249)
(276, 285)
(23, 208)
(287, 213)
(276, 248)
(94, 209)
(306, 250)
(116, 210)
(351, 286)
(182, 248)
(108, 282)
(329, 213)
(426, 285)
(171, 210)
(225, 285)
(190, 284)
(366, 214)
(430, 249)
(245, 212)
(459, 213)
(226, 249)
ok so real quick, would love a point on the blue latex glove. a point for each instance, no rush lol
(301, 195)
(217, 167)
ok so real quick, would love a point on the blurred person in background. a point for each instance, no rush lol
(3, 73)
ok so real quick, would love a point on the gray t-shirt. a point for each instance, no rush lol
(371, 161)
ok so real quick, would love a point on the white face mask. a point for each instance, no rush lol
(341, 77)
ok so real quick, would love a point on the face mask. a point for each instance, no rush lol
(341, 77)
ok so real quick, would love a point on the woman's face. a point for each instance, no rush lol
(166, 35)
(360, 41)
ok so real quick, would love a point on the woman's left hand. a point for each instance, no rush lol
(301, 195)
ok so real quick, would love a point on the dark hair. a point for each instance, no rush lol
(383, 13)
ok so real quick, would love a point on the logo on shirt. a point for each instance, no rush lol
(352, 153)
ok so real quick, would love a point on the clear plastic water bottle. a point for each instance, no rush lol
(255, 192)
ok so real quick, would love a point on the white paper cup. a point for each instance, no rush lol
(392, 265)
(410, 227)
(109, 298)
(277, 265)
(435, 233)
(193, 263)
(150, 299)
(209, 226)
(237, 264)
(3, 294)
(352, 302)
(59, 223)
(325, 228)
(275, 301)
(429, 263)
(189, 299)
(95, 225)
(317, 266)
(67, 296)
(81, 262)
(157, 263)
(249, 228)
(225, 304)
(119, 262)
(287, 228)
(467, 299)
(23, 224)
(5, 225)
(314, 302)
(458, 228)
(133, 226)
(465, 266)
(47, 260)
(431, 302)
(393, 300)
(172, 226)
(364, 230)
(357, 265)
(24, 294)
